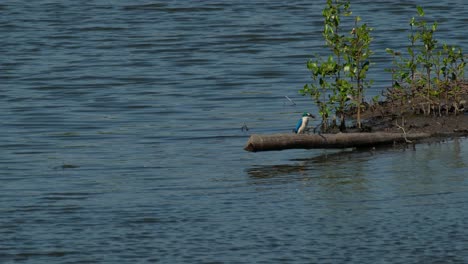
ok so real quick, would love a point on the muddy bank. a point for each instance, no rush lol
(415, 115)
(417, 124)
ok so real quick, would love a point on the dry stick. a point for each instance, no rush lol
(404, 132)
(290, 100)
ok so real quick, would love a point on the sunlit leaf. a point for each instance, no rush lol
(420, 11)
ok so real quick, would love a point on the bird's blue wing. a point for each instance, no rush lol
(299, 124)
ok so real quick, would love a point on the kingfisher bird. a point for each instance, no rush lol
(302, 123)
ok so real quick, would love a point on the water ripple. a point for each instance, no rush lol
(121, 127)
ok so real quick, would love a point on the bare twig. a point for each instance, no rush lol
(290, 100)
(404, 132)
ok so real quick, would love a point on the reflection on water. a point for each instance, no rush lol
(352, 162)
(458, 160)
(329, 164)
(389, 205)
(393, 171)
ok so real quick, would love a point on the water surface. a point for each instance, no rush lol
(122, 141)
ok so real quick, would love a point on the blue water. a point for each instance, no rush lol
(121, 140)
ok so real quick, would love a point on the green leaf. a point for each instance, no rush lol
(312, 65)
(362, 74)
(420, 11)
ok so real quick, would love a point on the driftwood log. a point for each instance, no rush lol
(326, 141)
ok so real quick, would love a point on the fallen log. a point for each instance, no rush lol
(326, 141)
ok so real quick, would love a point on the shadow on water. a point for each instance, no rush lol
(343, 175)
(340, 159)
(358, 169)
(332, 169)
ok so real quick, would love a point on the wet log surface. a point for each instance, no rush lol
(327, 141)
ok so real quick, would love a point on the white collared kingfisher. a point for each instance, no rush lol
(302, 123)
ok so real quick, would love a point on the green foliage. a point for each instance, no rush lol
(343, 74)
(322, 74)
(430, 71)
(357, 62)
(425, 73)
